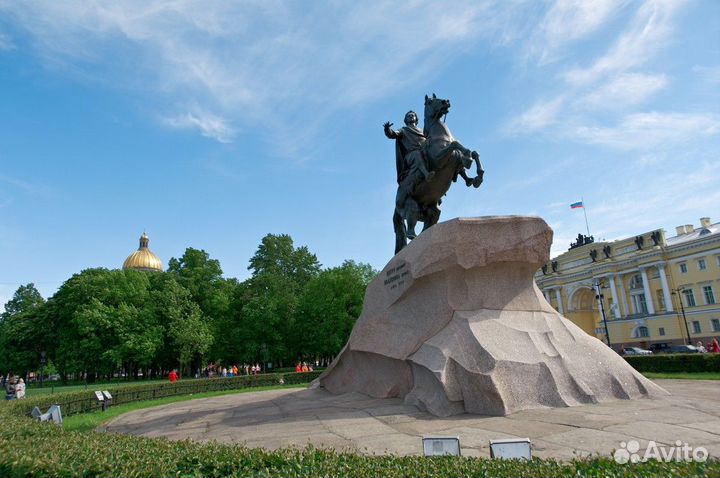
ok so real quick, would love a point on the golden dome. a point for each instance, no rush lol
(143, 259)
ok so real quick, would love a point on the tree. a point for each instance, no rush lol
(265, 306)
(26, 299)
(102, 322)
(202, 277)
(265, 318)
(277, 256)
(329, 307)
(22, 331)
(188, 335)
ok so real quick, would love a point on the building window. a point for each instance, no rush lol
(702, 265)
(636, 282)
(683, 268)
(661, 331)
(689, 298)
(716, 325)
(696, 327)
(641, 332)
(639, 304)
(717, 259)
(708, 293)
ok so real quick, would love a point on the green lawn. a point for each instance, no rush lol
(688, 376)
(90, 421)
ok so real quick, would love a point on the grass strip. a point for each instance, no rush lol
(684, 376)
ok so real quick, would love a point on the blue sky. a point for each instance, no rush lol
(211, 124)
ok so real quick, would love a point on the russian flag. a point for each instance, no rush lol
(576, 205)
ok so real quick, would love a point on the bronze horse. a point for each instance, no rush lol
(446, 158)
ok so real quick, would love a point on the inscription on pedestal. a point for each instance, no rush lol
(396, 279)
(395, 276)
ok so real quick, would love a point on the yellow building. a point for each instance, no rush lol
(143, 259)
(652, 290)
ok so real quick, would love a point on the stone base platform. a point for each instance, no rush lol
(291, 417)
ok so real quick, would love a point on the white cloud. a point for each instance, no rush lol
(210, 126)
(537, 117)
(276, 65)
(649, 31)
(598, 105)
(625, 90)
(568, 21)
(650, 130)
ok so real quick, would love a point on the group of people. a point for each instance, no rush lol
(14, 386)
(303, 367)
(713, 347)
(213, 370)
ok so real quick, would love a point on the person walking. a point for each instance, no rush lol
(10, 387)
(173, 376)
(20, 389)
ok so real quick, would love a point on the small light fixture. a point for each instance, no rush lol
(440, 446)
(508, 448)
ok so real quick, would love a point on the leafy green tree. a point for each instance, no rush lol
(277, 256)
(22, 330)
(265, 305)
(265, 319)
(188, 336)
(202, 276)
(329, 307)
(26, 299)
(102, 321)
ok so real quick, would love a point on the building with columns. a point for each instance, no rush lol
(651, 288)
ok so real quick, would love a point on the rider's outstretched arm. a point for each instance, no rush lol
(391, 133)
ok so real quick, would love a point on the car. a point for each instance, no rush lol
(659, 347)
(635, 351)
(681, 349)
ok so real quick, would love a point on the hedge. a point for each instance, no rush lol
(670, 363)
(32, 449)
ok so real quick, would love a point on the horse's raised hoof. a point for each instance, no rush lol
(468, 182)
(411, 235)
(477, 182)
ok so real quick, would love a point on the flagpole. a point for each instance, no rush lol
(585, 213)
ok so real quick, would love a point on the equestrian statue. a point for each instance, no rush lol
(427, 162)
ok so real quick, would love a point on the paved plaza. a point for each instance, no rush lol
(280, 418)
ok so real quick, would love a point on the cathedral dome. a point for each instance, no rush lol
(143, 259)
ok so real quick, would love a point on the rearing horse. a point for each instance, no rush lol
(446, 159)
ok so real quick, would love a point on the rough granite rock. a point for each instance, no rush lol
(455, 324)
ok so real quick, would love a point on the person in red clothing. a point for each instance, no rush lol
(298, 368)
(714, 347)
(173, 376)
